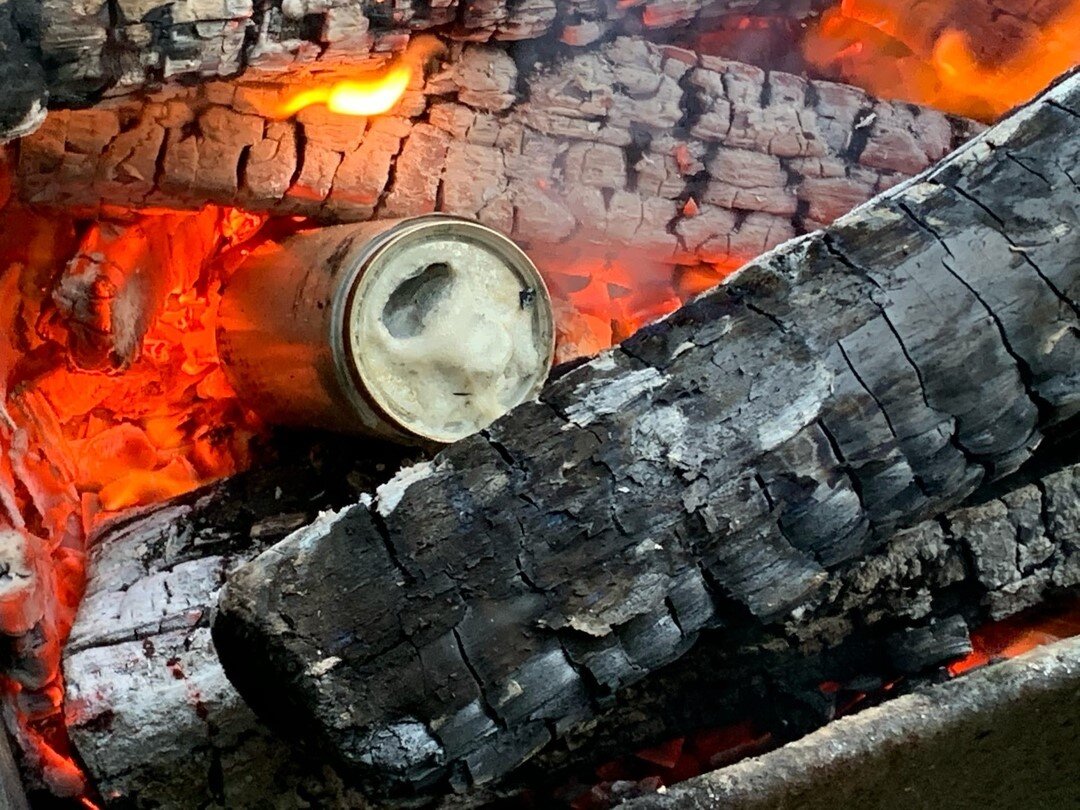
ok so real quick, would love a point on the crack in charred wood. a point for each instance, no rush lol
(1027, 376)
(1013, 158)
(1021, 249)
(481, 689)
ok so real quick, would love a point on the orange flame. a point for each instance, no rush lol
(958, 57)
(371, 94)
(365, 97)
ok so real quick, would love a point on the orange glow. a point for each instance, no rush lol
(371, 93)
(604, 296)
(956, 56)
(365, 97)
(675, 760)
(1017, 635)
(79, 444)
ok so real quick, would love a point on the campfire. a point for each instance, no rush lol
(533, 402)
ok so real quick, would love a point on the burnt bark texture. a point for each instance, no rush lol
(103, 47)
(738, 455)
(157, 724)
(685, 157)
(148, 708)
(12, 796)
(25, 95)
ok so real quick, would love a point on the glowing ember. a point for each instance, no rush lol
(1017, 635)
(602, 296)
(674, 761)
(962, 57)
(78, 444)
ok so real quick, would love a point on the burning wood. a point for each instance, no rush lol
(639, 175)
(91, 53)
(611, 143)
(774, 431)
(635, 175)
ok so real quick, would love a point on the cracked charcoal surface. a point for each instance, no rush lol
(134, 635)
(107, 48)
(605, 147)
(735, 458)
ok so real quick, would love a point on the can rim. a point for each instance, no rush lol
(351, 375)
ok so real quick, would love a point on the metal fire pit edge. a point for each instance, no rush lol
(1007, 736)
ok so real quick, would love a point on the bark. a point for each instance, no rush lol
(11, 790)
(732, 457)
(149, 710)
(157, 723)
(897, 614)
(25, 96)
(101, 47)
(607, 147)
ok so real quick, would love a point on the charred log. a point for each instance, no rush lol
(149, 710)
(685, 157)
(157, 723)
(11, 790)
(25, 96)
(738, 454)
(100, 48)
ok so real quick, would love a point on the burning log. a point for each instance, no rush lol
(734, 457)
(154, 718)
(148, 708)
(683, 157)
(100, 49)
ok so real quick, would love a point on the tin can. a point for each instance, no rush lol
(421, 330)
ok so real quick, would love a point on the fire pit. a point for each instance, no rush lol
(728, 515)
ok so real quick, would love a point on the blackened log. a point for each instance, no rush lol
(148, 708)
(740, 452)
(22, 108)
(12, 796)
(107, 48)
(609, 147)
(145, 686)
(901, 612)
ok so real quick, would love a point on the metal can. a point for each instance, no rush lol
(421, 330)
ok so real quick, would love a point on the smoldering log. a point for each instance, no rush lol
(100, 49)
(153, 716)
(681, 156)
(734, 455)
(148, 707)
